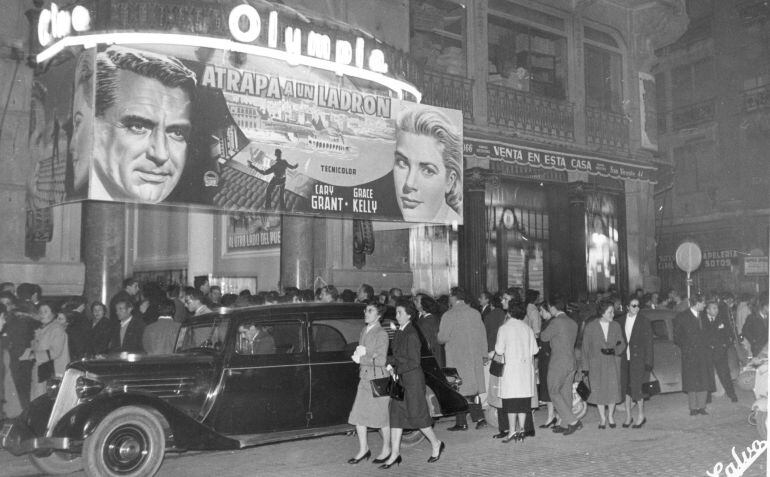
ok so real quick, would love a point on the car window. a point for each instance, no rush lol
(257, 337)
(196, 335)
(659, 330)
(332, 336)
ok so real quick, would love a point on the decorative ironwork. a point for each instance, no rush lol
(606, 129)
(444, 90)
(693, 114)
(756, 98)
(508, 107)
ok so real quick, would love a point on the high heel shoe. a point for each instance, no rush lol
(638, 426)
(397, 461)
(548, 424)
(381, 461)
(366, 456)
(612, 425)
(602, 426)
(441, 448)
(516, 437)
(627, 424)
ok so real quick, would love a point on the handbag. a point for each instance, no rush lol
(45, 370)
(651, 388)
(380, 386)
(496, 367)
(583, 388)
(396, 389)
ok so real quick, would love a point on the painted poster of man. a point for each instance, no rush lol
(142, 126)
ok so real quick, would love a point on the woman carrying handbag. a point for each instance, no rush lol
(411, 412)
(368, 410)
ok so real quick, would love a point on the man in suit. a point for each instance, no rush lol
(256, 340)
(129, 293)
(562, 333)
(717, 333)
(755, 328)
(160, 337)
(637, 359)
(195, 302)
(697, 374)
(18, 332)
(127, 336)
(485, 301)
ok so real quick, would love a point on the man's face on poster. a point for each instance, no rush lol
(82, 134)
(420, 176)
(142, 139)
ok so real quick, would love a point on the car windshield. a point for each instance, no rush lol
(206, 335)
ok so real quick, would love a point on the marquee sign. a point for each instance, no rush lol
(248, 31)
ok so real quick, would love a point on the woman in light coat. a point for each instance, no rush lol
(369, 411)
(603, 344)
(50, 343)
(517, 345)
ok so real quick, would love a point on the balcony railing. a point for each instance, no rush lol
(606, 129)
(444, 90)
(508, 107)
(756, 99)
(692, 115)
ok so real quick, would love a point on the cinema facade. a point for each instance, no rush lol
(554, 105)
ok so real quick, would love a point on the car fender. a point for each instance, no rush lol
(183, 431)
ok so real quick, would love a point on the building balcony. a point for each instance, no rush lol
(756, 99)
(529, 113)
(606, 129)
(692, 115)
(444, 90)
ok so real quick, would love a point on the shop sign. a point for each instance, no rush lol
(241, 133)
(55, 24)
(712, 260)
(546, 159)
(755, 266)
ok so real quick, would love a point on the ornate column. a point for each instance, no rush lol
(297, 239)
(473, 234)
(104, 248)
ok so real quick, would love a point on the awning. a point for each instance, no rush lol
(553, 159)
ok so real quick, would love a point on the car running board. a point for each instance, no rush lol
(249, 440)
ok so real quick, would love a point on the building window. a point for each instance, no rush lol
(438, 35)
(603, 79)
(696, 167)
(527, 59)
(692, 83)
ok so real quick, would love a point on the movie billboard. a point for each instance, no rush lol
(242, 133)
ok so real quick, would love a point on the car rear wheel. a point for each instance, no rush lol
(57, 463)
(411, 437)
(130, 441)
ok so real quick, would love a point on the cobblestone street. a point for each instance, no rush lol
(670, 444)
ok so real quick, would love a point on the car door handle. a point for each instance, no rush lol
(234, 372)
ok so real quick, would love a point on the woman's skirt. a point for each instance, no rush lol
(542, 375)
(412, 412)
(517, 405)
(368, 410)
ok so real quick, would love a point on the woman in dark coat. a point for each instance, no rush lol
(636, 361)
(543, 357)
(602, 345)
(412, 412)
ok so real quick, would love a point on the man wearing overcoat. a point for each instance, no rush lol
(697, 375)
(465, 344)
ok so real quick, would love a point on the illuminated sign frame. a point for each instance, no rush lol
(245, 27)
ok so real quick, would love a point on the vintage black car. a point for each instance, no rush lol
(218, 391)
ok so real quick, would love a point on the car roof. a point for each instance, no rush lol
(268, 310)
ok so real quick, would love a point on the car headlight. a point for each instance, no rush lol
(52, 387)
(86, 388)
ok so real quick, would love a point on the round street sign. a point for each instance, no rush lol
(688, 256)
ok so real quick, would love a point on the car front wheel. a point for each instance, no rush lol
(129, 442)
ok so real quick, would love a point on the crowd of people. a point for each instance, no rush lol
(544, 346)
